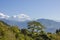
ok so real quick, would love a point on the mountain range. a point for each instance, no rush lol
(50, 25)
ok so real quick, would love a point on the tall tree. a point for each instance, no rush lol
(35, 26)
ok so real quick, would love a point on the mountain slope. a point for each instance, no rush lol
(50, 25)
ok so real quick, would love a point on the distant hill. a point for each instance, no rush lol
(50, 25)
(16, 23)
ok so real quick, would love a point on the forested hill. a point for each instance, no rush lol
(8, 32)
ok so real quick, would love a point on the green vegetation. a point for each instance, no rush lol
(33, 32)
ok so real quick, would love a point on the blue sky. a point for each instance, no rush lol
(48, 9)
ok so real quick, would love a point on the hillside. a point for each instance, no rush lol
(8, 32)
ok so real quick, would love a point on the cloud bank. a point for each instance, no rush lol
(22, 17)
(4, 16)
(19, 17)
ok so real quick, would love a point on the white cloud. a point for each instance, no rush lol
(19, 17)
(4, 16)
(22, 17)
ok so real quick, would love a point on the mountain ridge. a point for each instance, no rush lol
(50, 25)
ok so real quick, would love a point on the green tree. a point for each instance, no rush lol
(25, 32)
(35, 26)
(58, 31)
